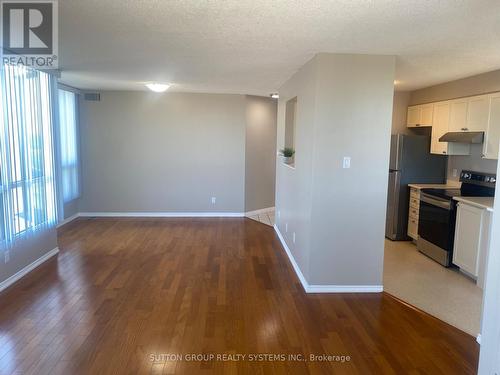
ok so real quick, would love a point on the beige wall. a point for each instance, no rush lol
(260, 152)
(344, 108)
(473, 162)
(400, 108)
(144, 152)
(26, 251)
(294, 186)
(475, 85)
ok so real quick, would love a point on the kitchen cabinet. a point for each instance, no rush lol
(442, 115)
(477, 113)
(420, 115)
(471, 238)
(413, 213)
(492, 134)
(458, 115)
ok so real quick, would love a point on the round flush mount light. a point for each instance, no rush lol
(275, 95)
(158, 87)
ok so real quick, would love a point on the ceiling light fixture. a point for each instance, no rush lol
(275, 95)
(158, 87)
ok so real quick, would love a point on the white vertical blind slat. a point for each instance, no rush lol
(27, 169)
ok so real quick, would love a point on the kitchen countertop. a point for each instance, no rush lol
(480, 202)
(449, 185)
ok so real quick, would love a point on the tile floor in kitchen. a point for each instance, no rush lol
(442, 292)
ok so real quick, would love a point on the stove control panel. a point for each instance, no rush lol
(478, 178)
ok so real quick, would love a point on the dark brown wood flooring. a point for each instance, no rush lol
(152, 295)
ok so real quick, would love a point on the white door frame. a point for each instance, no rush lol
(489, 358)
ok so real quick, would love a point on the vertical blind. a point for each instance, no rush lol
(68, 138)
(27, 161)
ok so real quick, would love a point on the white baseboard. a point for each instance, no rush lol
(257, 212)
(308, 288)
(161, 214)
(30, 267)
(68, 220)
(295, 266)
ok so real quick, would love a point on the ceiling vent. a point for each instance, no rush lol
(92, 97)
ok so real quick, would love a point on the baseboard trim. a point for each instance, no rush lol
(257, 212)
(295, 266)
(308, 288)
(30, 267)
(68, 220)
(161, 214)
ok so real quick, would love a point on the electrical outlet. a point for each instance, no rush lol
(286, 227)
(293, 237)
(214, 199)
(7, 256)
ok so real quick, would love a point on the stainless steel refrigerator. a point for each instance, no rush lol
(410, 162)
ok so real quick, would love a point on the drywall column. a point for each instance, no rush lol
(344, 109)
(260, 152)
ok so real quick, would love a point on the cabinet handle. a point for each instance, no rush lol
(417, 125)
(444, 152)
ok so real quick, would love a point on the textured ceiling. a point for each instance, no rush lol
(252, 47)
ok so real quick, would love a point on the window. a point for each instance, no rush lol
(68, 137)
(27, 181)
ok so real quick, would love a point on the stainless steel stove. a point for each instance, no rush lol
(437, 218)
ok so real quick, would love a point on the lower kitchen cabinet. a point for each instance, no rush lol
(471, 239)
(413, 213)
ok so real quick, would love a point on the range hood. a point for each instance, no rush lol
(463, 137)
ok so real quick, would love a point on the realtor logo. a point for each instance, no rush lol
(29, 33)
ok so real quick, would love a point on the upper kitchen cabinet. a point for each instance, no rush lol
(492, 134)
(469, 114)
(458, 115)
(478, 113)
(420, 115)
(441, 125)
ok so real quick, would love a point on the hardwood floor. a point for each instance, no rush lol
(123, 294)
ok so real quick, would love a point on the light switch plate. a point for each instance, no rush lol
(346, 162)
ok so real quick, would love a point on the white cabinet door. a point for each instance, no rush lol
(426, 112)
(458, 115)
(477, 113)
(440, 127)
(492, 136)
(468, 233)
(413, 116)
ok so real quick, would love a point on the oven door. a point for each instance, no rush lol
(436, 222)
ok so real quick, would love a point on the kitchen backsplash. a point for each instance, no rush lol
(473, 162)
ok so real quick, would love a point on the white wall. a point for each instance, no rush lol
(163, 153)
(260, 152)
(344, 108)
